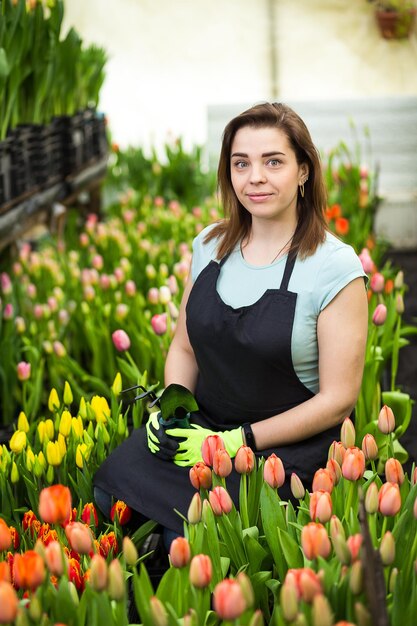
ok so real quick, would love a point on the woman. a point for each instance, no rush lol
(272, 328)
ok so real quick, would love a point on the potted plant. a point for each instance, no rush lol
(395, 18)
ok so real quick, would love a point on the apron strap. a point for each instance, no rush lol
(289, 266)
(223, 260)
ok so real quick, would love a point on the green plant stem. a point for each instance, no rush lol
(351, 492)
(244, 500)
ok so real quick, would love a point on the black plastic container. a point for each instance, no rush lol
(5, 172)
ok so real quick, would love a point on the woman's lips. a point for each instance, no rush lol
(259, 197)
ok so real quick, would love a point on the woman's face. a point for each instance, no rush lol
(265, 173)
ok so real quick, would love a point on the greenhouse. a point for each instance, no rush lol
(208, 313)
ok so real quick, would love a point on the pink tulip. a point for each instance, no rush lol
(159, 323)
(59, 349)
(354, 543)
(305, 581)
(200, 571)
(98, 573)
(380, 315)
(8, 311)
(366, 260)
(153, 295)
(394, 472)
(79, 537)
(55, 558)
(244, 460)
(121, 340)
(386, 420)
(228, 599)
(389, 499)
(220, 501)
(130, 288)
(369, 447)
(377, 282)
(209, 447)
(274, 473)
(320, 506)
(23, 370)
(180, 552)
(6, 283)
(353, 466)
(222, 463)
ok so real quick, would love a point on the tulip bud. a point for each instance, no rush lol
(244, 460)
(164, 294)
(30, 459)
(9, 603)
(68, 397)
(98, 573)
(392, 580)
(22, 422)
(246, 588)
(379, 315)
(389, 499)
(82, 411)
(323, 481)
(370, 447)
(180, 552)
(348, 433)
(257, 619)
(117, 384)
(337, 452)
(377, 282)
(130, 552)
(354, 543)
(363, 617)
(228, 599)
(200, 571)
(159, 323)
(336, 528)
(79, 537)
(116, 584)
(394, 472)
(353, 466)
(222, 463)
(274, 473)
(297, 487)
(195, 509)
(65, 423)
(322, 613)
(386, 420)
(220, 501)
(23, 371)
(341, 549)
(356, 578)
(387, 549)
(320, 506)
(289, 602)
(121, 340)
(209, 447)
(159, 615)
(53, 401)
(14, 474)
(315, 541)
(399, 280)
(55, 559)
(18, 441)
(399, 304)
(371, 499)
(200, 476)
(333, 467)
(5, 536)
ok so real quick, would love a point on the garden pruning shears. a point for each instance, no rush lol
(175, 404)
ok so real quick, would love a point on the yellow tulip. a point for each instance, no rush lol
(41, 459)
(41, 432)
(49, 429)
(65, 423)
(117, 384)
(68, 397)
(81, 454)
(18, 441)
(62, 445)
(14, 476)
(53, 453)
(22, 422)
(77, 427)
(30, 459)
(83, 409)
(53, 401)
(100, 408)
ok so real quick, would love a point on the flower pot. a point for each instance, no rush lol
(394, 24)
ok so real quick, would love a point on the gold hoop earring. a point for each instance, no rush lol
(302, 190)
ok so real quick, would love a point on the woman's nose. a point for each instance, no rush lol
(257, 174)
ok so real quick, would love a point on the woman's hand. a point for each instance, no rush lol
(191, 441)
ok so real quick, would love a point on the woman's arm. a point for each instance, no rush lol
(342, 331)
(180, 364)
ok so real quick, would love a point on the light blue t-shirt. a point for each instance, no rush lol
(316, 279)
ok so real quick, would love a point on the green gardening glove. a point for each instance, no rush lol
(190, 441)
(159, 443)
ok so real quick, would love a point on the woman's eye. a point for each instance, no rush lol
(274, 162)
(240, 164)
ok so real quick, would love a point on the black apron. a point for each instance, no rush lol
(246, 374)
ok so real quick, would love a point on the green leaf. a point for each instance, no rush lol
(272, 519)
(4, 65)
(290, 549)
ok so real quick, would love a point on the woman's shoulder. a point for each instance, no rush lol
(203, 251)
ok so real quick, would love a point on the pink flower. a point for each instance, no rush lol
(222, 463)
(244, 460)
(386, 420)
(320, 506)
(23, 370)
(315, 541)
(180, 552)
(159, 323)
(209, 447)
(220, 501)
(389, 499)
(323, 480)
(380, 315)
(8, 311)
(59, 349)
(6, 283)
(153, 295)
(274, 473)
(79, 537)
(377, 282)
(353, 466)
(121, 340)
(394, 472)
(130, 288)
(228, 599)
(200, 571)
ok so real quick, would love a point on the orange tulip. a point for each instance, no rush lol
(123, 512)
(55, 504)
(209, 447)
(5, 536)
(79, 537)
(220, 501)
(369, 447)
(222, 463)
(47, 534)
(8, 603)
(200, 476)
(389, 499)
(228, 599)
(180, 552)
(335, 470)
(274, 473)
(394, 472)
(386, 420)
(337, 452)
(320, 506)
(5, 574)
(244, 460)
(315, 541)
(28, 570)
(55, 559)
(323, 480)
(200, 571)
(305, 581)
(354, 543)
(353, 466)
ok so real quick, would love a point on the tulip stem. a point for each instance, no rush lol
(350, 494)
(243, 501)
(384, 527)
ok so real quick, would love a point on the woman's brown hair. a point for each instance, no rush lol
(311, 223)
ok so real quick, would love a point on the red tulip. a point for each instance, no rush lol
(220, 501)
(228, 599)
(108, 543)
(79, 537)
(209, 447)
(47, 534)
(369, 447)
(200, 571)
(28, 570)
(55, 504)
(74, 574)
(386, 420)
(122, 511)
(320, 506)
(222, 463)
(89, 514)
(394, 472)
(180, 552)
(323, 480)
(315, 541)
(389, 499)
(200, 476)
(353, 466)
(244, 460)
(121, 340)
(9, 603)
(274, 473)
